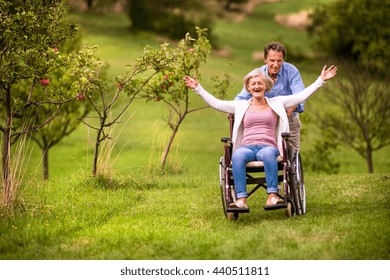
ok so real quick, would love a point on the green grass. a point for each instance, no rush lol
(145, 215)
(162, 217)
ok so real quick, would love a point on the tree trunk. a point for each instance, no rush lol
(228, 5)
(89, 4)
(6, 168)
(8, 192)
(45, 162)
(168, 147)
(370, 163)
(96, 153)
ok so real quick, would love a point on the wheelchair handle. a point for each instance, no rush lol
(226, 139)
(286, 135)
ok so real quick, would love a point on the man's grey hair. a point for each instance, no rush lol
(275, 46)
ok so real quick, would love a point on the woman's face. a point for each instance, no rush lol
(256, 86)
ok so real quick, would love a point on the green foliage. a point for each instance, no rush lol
(168, 86)
(68, 117)
(356, 30)
(188, 56)
(361, 112)
(169, 18)
(100, 5)
(139, 73)
(357, 33)
(31, 34)
(228, 3)
(357, 113)
(37, 67)
(152, 217)
(321, 158)
(28, 35)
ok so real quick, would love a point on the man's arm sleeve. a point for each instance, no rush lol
(297, 86)
(243, 95)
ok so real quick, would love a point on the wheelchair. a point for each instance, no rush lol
(290, 179)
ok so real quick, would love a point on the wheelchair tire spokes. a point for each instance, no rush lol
(222, 184)
(293, 183)
(227, 191)
(289, 199)
(296, 183)
(300, 184)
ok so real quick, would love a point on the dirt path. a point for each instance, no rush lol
(249, 7)
(297, 20)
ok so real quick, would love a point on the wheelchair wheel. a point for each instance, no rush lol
(300, 185)
(226, 192)
(294, 193)
(232, 216)
(291, 206)
(296, 183)
(289, 210)
(292, 184)
(226, 195)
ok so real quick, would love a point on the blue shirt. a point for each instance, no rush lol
(288, 82)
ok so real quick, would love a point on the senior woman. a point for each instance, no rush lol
(258, 125)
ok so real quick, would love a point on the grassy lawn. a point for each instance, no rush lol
(143, 214)
(162, 217)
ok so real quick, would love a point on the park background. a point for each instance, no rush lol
(144, 213)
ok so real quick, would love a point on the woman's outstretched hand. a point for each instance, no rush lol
(191, 82)
(327, 74)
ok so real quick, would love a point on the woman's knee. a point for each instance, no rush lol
(269, 153)
(240, 155)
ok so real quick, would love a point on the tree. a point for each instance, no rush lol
(68, 118)
(358, 31)
(89, 4)
(64, 123)
(358, 111)
(168, 86)
(30, 33)
(138, 75)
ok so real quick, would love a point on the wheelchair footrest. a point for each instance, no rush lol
(237, 210)
(275, 207)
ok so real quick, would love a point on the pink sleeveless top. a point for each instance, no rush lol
(259, 128)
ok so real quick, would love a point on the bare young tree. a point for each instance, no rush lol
(168, 86)
(138, 75)
(358, 111)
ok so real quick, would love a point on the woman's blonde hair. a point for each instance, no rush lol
(255, 73)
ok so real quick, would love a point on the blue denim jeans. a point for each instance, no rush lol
(245, 154)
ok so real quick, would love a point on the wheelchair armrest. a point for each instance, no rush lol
(226, 140)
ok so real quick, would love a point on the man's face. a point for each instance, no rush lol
(274, 61)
